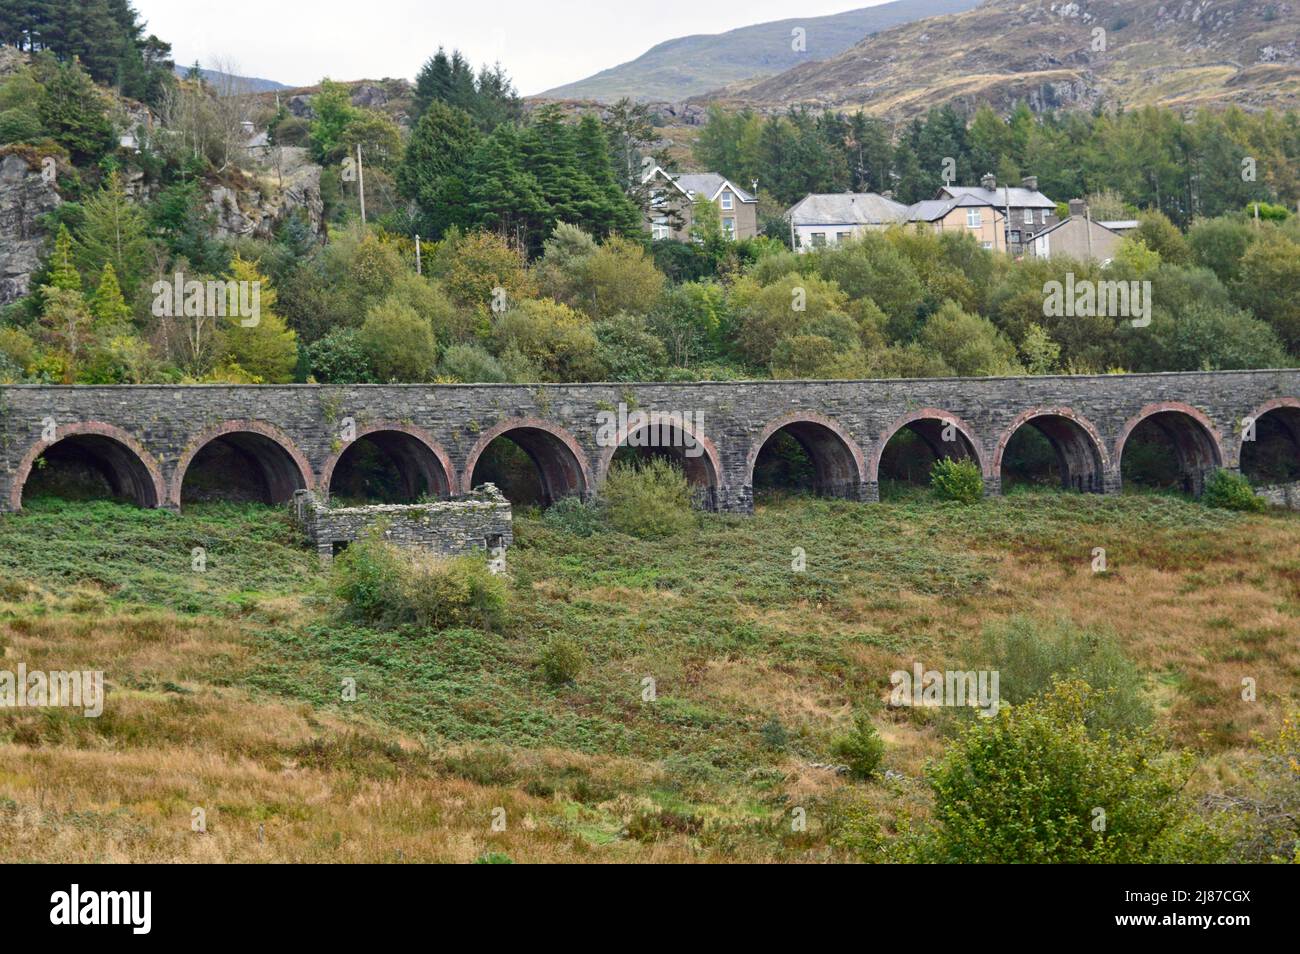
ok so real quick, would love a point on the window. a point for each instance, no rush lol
(818, 239)
(729, 226)
(727, 200)
(1015, 238)
(973, 220)
(842, 237)
(1029, 216)
(660, 229)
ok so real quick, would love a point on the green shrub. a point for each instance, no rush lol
(1030, 657)
(1231, 491)
(862, 749)
(649, 499)
(576, 516)
(1033, 785)
(958, 480)
(384, 585)
(562, 661)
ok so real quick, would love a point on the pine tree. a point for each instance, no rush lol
(114, 231)
(433, 170)
(72, 110)
(503, 195)
(107, 306)
(616, 213)
(268, 349)
(63, 273)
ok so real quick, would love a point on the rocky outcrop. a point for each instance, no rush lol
(25, 196)
(285, 181)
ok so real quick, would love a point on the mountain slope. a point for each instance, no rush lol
(1178, 54)
(244, 84)
(690, 65)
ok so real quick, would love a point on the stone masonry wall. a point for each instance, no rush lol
(476, 522)
(165, 426)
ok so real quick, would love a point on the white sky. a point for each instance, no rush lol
(542, 43)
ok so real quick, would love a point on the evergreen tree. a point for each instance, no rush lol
(72, 110)
(615, 212)
(503, 195)
(114, 231)
(107, 306)
(433, 170)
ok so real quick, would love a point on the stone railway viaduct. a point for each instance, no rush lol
(144, 439)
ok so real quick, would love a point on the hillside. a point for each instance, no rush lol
(223, 686)
(691, 65)
(1181, 55)
(243, 84)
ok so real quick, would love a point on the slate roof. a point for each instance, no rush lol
(846, 208)
(706, 184)
(1013, 196)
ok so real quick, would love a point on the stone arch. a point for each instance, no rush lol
(928, 423)
(418, 457)
(561, 464)
(1285, 413)
(839, 465)
(129, 469)
(279, 463)
(703, 471)
(1079, 447)
(1197, 443)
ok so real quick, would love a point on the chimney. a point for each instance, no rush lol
(887, 194)
(990, 181)
(1078, 207)
(1030, 183)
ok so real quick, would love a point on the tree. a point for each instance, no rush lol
(114, 231)
(265, 349)
(969, 344)
(553, 338)
(73, 111)
(503, 195)
(1025, 786)
(1269, 284)
(399, 344)
(107, 306)
(333, 112)
(433, 170)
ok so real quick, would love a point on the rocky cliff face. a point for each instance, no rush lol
(25, 196)
(283, 182)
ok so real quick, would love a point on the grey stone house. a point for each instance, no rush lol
(672, 209)
(1028, 212)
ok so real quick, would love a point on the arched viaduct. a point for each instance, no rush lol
(144, 439)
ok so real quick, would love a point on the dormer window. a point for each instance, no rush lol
(727, 200)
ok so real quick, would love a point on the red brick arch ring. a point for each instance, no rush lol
(131, 469)
(414, 451)
(284, 472)
(839, 466)
(1077, 442)
(1290, 414)
(1196, 440)
(702, 470)
(561, 463)
(934, 419)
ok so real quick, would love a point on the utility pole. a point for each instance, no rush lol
(361, 184)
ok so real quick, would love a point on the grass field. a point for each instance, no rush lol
(225, 686)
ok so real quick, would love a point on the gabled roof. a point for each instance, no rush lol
(1070, 218)
(931, 210)
(1002, 196)
(846, 208)
(706, 184)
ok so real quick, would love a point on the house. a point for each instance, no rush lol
(1077, 237)
(672, 209)
(967, 213)
(1028, 211)
(821, 219)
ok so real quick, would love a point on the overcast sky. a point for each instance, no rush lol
(542, 43)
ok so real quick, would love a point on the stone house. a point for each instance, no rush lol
(822, 219)
(672, 209)
(1026, 210)
(1077, 237)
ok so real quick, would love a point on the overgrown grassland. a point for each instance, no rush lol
(225, 685)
